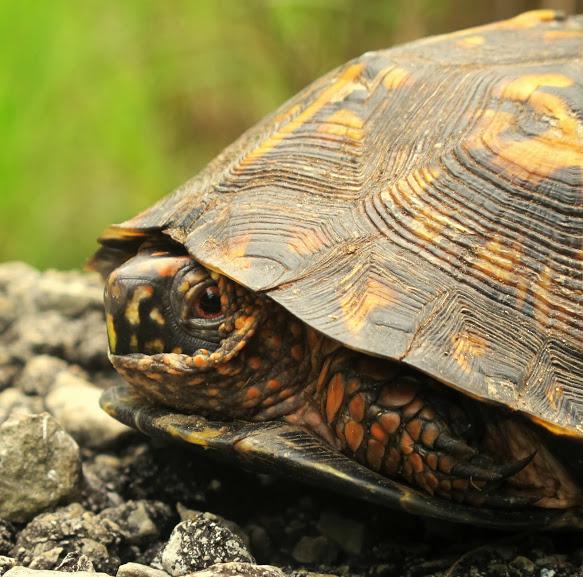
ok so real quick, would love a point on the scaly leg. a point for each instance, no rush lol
(409, 427)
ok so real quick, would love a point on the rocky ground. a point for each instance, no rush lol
(79, 492)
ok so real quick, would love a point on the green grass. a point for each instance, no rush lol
(105, 106)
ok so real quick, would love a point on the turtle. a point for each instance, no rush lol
(379, 287)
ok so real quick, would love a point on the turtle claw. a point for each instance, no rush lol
(455, 447)
(489, 471)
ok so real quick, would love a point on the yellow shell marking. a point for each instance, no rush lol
(426, 223)
(538, 157)
(542, 308)
(305, 242)
(225, 251)
(357, 309)
(396, 77)
(466, 348)
(335, 92)
(531, 19)
(552, 35)
(343, 123)
(497, 261)
(471, 41)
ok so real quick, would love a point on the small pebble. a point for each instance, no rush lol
(139, 570)
(195, 545)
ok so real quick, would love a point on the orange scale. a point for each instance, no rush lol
(416, 462)
(335, 396)
(356, 407)
(375, 452)
(390, 422)
(354, 435)
(254, 363)
(378, 433)
(412, 408)
(407, 444)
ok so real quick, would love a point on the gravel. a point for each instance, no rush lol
(81, 493)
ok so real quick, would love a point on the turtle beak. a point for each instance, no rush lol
(137, 304)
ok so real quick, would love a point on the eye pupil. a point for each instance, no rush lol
(210, 301)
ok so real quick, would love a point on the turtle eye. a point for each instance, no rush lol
(207, 304)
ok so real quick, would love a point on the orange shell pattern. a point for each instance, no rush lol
(423, 203)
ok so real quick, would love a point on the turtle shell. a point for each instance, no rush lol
(424, 204)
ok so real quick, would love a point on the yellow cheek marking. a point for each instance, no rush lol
(471, 41)
(157, 317)
(111, 334)
(134, 343)
(467, 348)
(154, 346)
(132, 313)
(336, 91)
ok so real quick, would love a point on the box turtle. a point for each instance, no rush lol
(379, 287)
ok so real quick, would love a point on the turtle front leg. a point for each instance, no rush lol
(403, 427)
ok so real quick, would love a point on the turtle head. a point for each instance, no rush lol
(194, 340)
(162, 301)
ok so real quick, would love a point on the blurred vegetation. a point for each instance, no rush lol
(105, 106)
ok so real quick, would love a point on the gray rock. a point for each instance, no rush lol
(198, 544)
(75, 562)
(18, 282)
(72, 293)
(239, 570)
(45, 542)
(39, 466)
(6, 537)
(8, 370)
(14, 402)
(39, 374)
(139, 570)
(6, 563)
(75, 404)
(139, 522)
(315, 550)
(103, 481)
(347, 533)
(29, 572)
(90, 346)
(192, 515)
(523, 564)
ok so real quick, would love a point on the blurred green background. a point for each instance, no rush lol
(107, 105)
